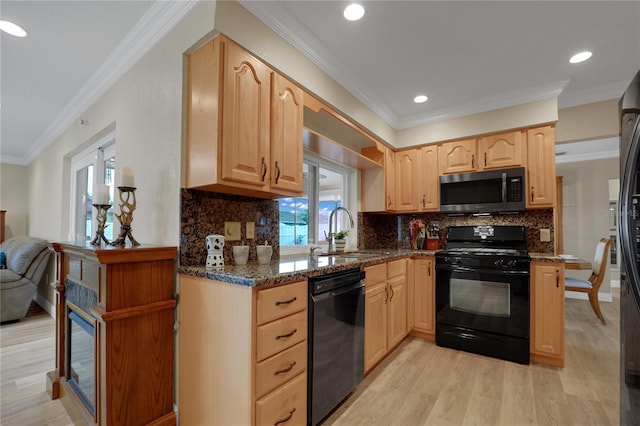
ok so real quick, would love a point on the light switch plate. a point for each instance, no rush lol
(545, 235)
(232, 231)
(250, 230)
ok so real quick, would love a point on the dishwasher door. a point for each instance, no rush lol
(336, 348)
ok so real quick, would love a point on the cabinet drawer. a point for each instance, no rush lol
(396, 268)
(375, 274)
(286, 406)
(278, 302)
(280, 368)
(278, 335)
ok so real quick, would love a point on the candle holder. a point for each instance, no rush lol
(127, 206)
(101, 217)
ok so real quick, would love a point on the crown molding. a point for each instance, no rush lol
(596, 149)
(291, 30)
(595, 94)
(516, 97)
(11, 159)
(161, 17)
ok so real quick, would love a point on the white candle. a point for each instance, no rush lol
(101, 195)
(127, 178)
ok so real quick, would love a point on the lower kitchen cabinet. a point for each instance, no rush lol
(242, 353)
(547, 313)
(423, 301)
(385, 324)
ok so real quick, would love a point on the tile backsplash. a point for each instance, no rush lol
(392, 231)
(203, 213)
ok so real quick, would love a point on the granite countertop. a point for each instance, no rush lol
(287, 269)
(546, 257)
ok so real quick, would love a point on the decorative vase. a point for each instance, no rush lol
(340, 245)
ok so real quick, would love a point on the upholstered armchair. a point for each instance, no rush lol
(26, 261)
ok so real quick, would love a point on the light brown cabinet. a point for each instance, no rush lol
(429, 182)
(114, 334)
(457, 156)
(498, 151)
(385, 322)
(424, 297)
(547, 313)
(378, 186)
(243, 353)
(541, 167)
(502, 150)
(244, 132)
(407, 179)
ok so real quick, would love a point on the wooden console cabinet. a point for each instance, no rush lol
(114, 334)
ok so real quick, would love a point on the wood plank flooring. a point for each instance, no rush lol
(423, 384)
(418, 384)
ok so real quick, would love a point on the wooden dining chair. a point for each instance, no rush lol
(592, 285)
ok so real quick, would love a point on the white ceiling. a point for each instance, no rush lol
(466, 56)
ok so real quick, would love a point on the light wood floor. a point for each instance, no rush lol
(423, 384)
(418, 384)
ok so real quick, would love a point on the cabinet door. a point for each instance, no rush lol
(407, 172)
(457, 156)
(424, 292)
(375, 324)
(541, 167)
(429, 179)
(397, 310)
(390, 179)
(286, 136)
(547, 309)
(245, 118)
(503, 150)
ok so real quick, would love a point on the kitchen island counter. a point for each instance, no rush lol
(294, 268)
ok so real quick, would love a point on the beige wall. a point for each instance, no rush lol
(585, 208)
(598, 120)
(14, 199)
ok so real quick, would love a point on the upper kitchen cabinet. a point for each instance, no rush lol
(457, 156)
(429, 182)
(502, 151)
(407, 178)
(379, 184)
(244, 132)
(541, 167)
(499, 151)
(286, 131)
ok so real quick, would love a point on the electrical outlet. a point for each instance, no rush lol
(545, 235)
(232, 231)
(250, 230)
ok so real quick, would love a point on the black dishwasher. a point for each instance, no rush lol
(336, 340)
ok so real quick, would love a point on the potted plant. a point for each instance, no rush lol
(340, 241)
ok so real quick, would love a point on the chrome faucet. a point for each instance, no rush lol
(333, 212)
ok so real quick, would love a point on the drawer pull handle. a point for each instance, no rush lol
(286, 419)
(282, 336)
(286, 302)
(285, 370)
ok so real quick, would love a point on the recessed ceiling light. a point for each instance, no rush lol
(420, 99)
(580, 57)
(13, 29)
(353, 12)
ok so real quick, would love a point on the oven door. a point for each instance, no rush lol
(487, 300)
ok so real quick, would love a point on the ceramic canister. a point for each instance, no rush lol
(215, 259)
(215, 242)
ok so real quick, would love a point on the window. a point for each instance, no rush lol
(93, 166)
(305, 220)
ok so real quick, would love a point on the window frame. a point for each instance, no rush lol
(94, 155)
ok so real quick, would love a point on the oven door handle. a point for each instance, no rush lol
(475, 270)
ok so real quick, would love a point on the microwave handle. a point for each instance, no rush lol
(504, 187)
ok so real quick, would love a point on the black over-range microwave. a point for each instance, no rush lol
(483, 192)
